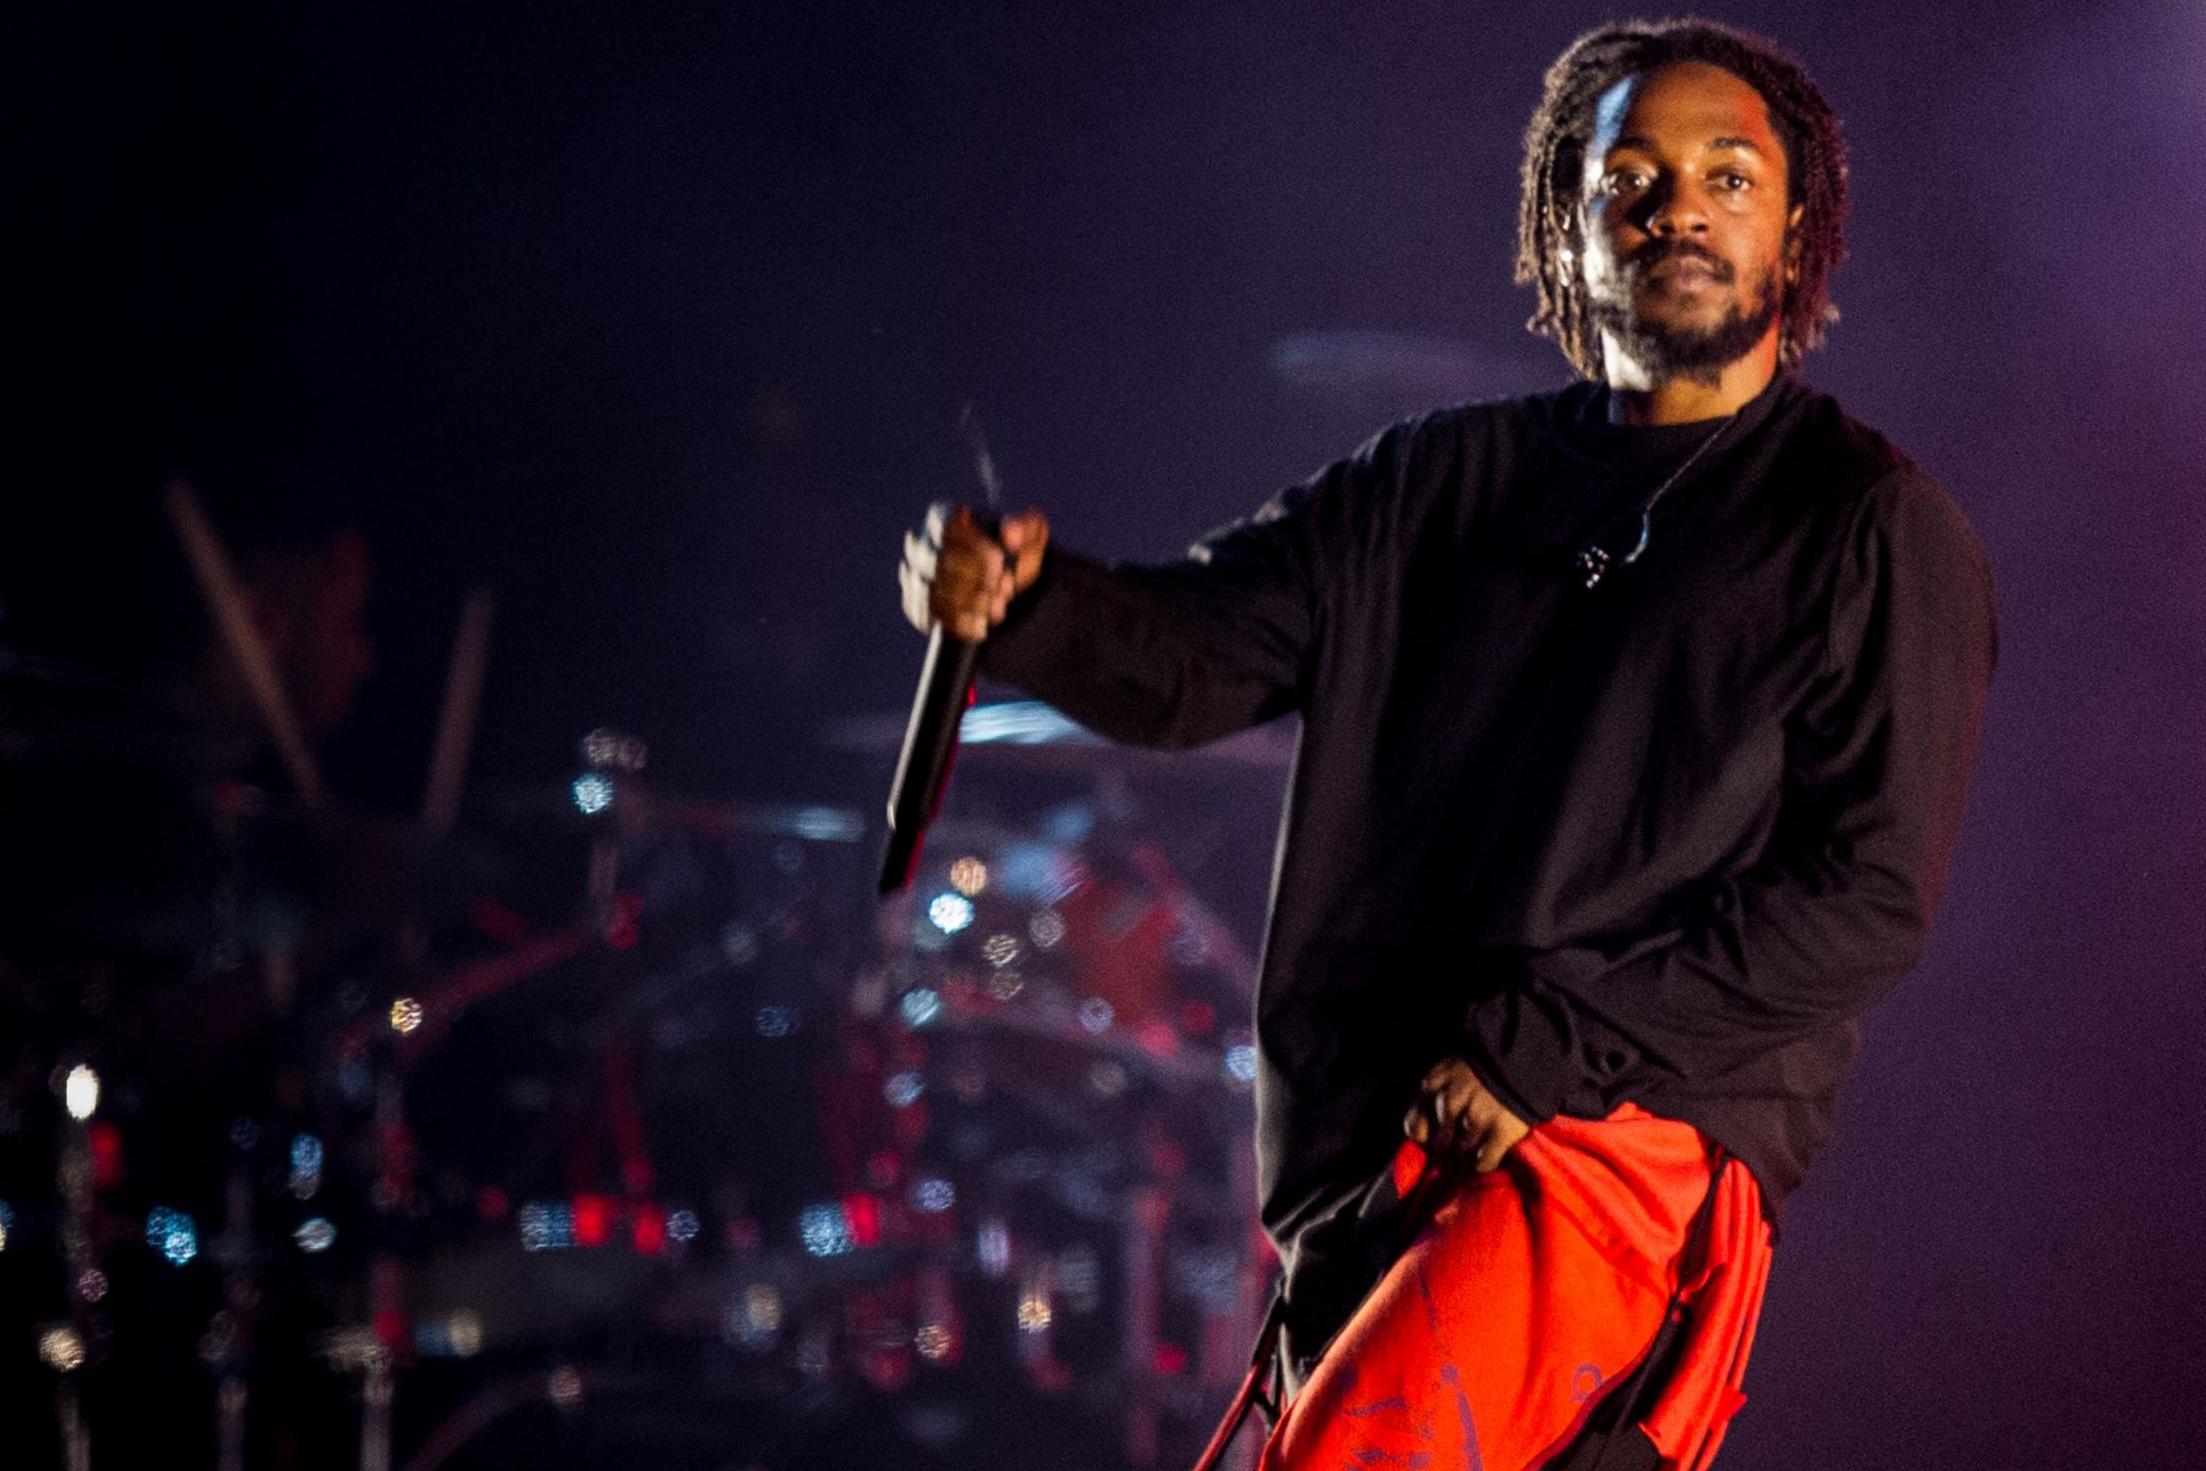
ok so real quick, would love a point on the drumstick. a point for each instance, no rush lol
(218, 583)
(463, 689)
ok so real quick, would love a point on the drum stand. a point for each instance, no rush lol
(67, 1347)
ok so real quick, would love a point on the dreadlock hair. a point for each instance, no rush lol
(1554, 165)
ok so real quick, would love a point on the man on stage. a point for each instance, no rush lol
(1637, 724)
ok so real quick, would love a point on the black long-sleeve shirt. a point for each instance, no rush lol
(1662, 840)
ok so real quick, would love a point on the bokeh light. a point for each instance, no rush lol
(969, 876)
(173, 1234)
(80, 1092)
(950, 913)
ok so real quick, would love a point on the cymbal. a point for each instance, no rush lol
(1426, 366)
(1029, 732)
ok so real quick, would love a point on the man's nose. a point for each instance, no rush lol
(1676, 207)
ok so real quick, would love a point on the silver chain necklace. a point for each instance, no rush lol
(1594, 561)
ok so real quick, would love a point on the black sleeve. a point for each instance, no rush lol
(1181, 653)
(1836, 910)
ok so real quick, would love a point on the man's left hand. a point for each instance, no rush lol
(1456, 1116)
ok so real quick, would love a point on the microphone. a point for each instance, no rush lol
(930, 741)
(938, 707)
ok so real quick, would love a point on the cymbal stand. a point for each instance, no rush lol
(228, 1338)
(67, 1347)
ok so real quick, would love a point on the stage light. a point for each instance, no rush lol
(825, 1231)
(91, 1284)
(80, 1092)
(593, 1219)
(683, 1225)
(919, 1006)
(593, 793)
(969, 876)
(1096, 1015)
(932, 1194)
(1046, 929)
(1000, 950)
(1034, 1311)
(1003, 985)
(950, 913)
(316, 1234)
(753, 1319)
(173, 1234)
(61, 1349)
(863, 1215)
(7, 1219)
(934, 1342)
(463, 1331)
(406, 1014)
(776, 1021)
(545, 1226)
(1240, 1063)
(613, 749)
(902, 1090)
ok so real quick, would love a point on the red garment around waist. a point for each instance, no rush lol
(1533, 1292)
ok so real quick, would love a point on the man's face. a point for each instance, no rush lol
(1683, 221)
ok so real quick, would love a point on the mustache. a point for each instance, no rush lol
(1657, 252)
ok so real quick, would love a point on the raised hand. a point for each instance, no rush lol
(958, 575)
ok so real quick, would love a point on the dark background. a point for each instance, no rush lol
(656, 319)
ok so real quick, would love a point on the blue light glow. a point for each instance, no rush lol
(545, 1226)
(825, 1231)
(776, 1021)
(1022, 723)
(950, 912)
(306, 1165)
(593, 793)
(1241, 1063)
(902, 1090)
(683, 1225)
(173, 1234)
(919, 1006)
(315, 1234)
(933, 1195)
(1096, 1015)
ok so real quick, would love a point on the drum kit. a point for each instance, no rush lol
(596, 1124)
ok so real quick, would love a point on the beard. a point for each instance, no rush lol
(1671, 352)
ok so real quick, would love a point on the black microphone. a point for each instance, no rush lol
(930, 741)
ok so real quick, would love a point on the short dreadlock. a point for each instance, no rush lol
(1554, 164)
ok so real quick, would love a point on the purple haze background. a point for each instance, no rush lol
(656, 318)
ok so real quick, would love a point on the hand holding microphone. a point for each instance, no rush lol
(958, 583)
(958, 576)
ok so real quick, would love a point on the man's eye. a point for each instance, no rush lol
(1624, 180)
(1735, 182)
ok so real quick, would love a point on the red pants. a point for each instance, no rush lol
(1532, 1290)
